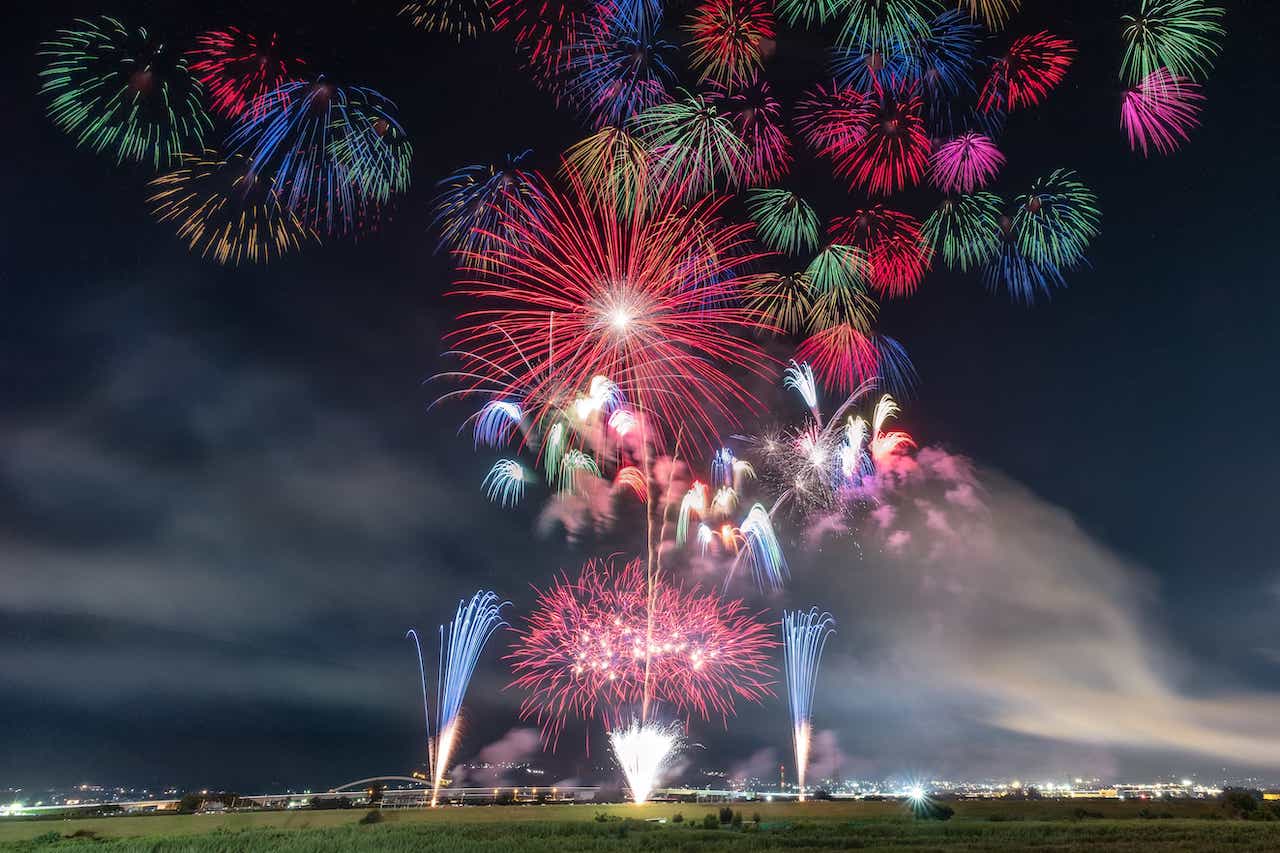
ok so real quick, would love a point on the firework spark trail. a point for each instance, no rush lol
(460, 648)
(643, 750)
(803, 637)
(426, 709)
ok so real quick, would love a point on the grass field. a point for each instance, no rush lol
(794, 827)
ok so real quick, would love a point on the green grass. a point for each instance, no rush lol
(793, 827)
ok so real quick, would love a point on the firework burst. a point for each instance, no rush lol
(729, 39)
(784, 298)
(225, 213)
(309, 136)
(1025, 75)
(590, 647)
(1056, 220)
(757, 118)
(123, 92)
(897, 254)
(544, 31)
(695, 147)
(646, 298)
(992, 13)
(619, 65)
(1160, 112)
(458, 18)
(476, 206)
(784, 221)
(966, 163)
(965, 231)
(883, 26)
(892, 150)
(1181, 36)
(242, 72)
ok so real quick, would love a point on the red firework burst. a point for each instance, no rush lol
(241, 72)
(573, 286)
(1023, 76)
(897, 252)
(757, 116)
(842, 355)
(584, 650)
(832, 118)
(542, 30)
(730, 39)
(892, 151)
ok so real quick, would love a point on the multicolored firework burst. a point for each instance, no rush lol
(1048, 232)
(729, 39)
(784, 221)
(123, 92)
(477, 205)
(225, 213)
(831, 118)
(618, 65)
(645, 298)
(695, 147)
(785, 298)
(757, 118)
(241, 71)
(594, 646)
(1182, 36)
(804, 635)
(375, 152)
(896, 251)
(320, 144)
(964, 164)
(965, 230)
(1160, 112)
(611, 165)
(458, 18)
(1028, 71)
(828, 462)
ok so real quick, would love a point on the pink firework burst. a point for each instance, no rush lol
(1022, 77)
(574, 286)
(1161, 111)
(892, 151)
(757, 116)
(842, 355)
(897, 253)
(965, 163)
(832, 118)
(590, 646)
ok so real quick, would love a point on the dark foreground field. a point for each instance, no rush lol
(557, 829)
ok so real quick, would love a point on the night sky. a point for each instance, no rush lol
(223, 498)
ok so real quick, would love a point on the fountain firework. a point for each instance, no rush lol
(803, 637)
